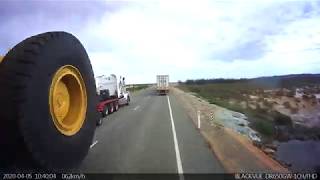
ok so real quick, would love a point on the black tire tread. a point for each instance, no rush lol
(14, 76)
(14, 80)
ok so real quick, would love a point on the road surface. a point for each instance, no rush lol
(140, 138)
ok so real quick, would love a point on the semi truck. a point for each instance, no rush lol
(48, 103)
(162, 84)
(112, 94)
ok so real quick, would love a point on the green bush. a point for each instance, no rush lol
(264, 127)
(281, 119)
(260, 109)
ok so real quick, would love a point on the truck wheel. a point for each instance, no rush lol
(111, 108)
(105, 111)
(99, 122)
(128, 100)
(47, 101)
(116, 106)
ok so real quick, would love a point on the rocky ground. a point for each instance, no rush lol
(230, 137)
(302, 105)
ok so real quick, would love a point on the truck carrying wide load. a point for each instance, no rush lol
(106, 86)
(162, 84)
(112, 93)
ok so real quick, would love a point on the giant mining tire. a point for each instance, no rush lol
(47, 101)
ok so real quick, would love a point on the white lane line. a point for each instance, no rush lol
(176, 146)
(136, 108)
(94, 143)
(199, 122)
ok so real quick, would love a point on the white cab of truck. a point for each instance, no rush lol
(123, 94)
(108, 83)
(112, 87)
(162, 84)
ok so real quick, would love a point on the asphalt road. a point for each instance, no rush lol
(139, 138)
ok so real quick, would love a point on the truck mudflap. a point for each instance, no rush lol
(163, 91)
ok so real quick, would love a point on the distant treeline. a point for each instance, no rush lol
(210, 81)
(285, 81)
(137, 87)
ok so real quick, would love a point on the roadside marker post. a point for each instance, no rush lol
(199, 122)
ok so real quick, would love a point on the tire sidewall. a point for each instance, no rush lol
(41, 136)
(111, 108)
(128, 100)
(106, 111)
(116, 106)
(99, 123)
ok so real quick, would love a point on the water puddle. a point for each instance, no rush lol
(302, 155)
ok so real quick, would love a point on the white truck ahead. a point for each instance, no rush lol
(163, 84)
(112, 93)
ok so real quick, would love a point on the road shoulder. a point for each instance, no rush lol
(195, 152)
(235, 152)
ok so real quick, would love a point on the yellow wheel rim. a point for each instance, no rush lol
(68, 100)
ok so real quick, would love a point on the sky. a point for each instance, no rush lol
(185, 39)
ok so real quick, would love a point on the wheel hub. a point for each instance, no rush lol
(68, 100)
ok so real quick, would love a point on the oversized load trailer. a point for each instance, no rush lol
(47, 102)
(112, 94)
(162, 84)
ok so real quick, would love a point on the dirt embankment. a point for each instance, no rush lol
(236, 152)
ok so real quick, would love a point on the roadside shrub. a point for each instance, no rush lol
(279, 93)
(290, 93)
(287, 105)
(264, 127)
(237, 108)
(260, 99)
(267, 104)
(281, 119)
(211, 101)
(294, 110)
(260, 110)
(194, 89)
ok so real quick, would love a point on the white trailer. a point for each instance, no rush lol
(112, 93)
(162, 84)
